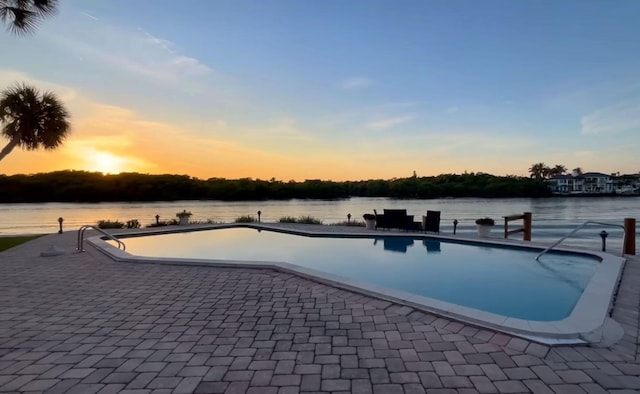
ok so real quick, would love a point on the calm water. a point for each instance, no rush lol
(505, 281)
(552, 217)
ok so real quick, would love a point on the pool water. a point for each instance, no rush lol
(500, 280)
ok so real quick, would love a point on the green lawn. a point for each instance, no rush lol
(10, 242)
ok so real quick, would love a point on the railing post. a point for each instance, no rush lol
(527, 226)
(506, 227)
(630, 236)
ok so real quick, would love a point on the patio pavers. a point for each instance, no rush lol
(83, 323)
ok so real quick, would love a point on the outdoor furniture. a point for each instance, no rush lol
(394, 218)
(431, 222)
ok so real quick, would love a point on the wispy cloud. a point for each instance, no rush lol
(617, 118)
(130, 50)
(387, 123)
(356, 83)
(88, 15)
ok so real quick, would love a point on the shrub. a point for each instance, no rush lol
(353, 223)
(133, 223)
(163, 223)
(309, 220)
(485, 222)
(245, 219)
(206, 221)
(110, 224)
(301, 219)
(368, 216)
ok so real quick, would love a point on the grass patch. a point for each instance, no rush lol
(301, 219)
(10, 242)
(246, 219)
(353, 223)
(109, 224)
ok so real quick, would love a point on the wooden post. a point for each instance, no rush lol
(527, 226)
(630, 236)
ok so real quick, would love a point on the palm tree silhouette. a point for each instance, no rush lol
(31, 119)
(539, 170)
(23, 16)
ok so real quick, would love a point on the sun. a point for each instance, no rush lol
(107, 163)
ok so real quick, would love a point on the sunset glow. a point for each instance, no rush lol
(338, 90)
(107, 163)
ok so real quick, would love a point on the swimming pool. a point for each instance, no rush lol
(487, 283)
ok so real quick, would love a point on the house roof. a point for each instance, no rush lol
(595, 175)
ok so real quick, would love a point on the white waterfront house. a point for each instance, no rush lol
(594, 183)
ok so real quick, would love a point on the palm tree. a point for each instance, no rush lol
(558, 169)
(31, 119)
(539, 170)
(23, 16)
(577, 171)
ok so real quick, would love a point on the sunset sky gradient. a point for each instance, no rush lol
(334, 89)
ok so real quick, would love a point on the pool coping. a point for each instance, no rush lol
(587, 317)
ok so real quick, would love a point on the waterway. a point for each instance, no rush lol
(552, 217)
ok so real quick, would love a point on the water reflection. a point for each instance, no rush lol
(402, 244)
(395, 244)
(432, 245)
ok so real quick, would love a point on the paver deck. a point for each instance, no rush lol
(82, 323)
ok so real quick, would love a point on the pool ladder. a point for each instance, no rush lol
(82, 229)
(580, 227)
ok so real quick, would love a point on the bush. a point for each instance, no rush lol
(301, 219)
(368, 216)
(133, 223)
(309, 220)
(109, 224)
(353, 223)
(485, 222)
(245, 219)
(164, 223)
(206, 221)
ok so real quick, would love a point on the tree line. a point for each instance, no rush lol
(83, 186)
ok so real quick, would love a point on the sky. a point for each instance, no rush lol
(334, 89)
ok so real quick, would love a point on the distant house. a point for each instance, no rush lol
(562, 184)
(628, 184)
(594, 183)
(597, 183)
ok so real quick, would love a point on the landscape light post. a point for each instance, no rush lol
(157, 219)
(259, 213)
(603, 235)
(60, 220)
(348, 218)
(455, 225)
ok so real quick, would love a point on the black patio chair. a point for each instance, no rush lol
(431, 222)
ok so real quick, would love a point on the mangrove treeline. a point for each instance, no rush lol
(82, 186)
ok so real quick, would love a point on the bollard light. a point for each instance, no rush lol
(603, 235)
(259, 213)
(157, 219)
(60, 220)
(348, 218)
(455, 225)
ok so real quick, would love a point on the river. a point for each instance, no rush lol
(552, 217)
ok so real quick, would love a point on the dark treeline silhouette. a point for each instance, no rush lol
(82, 186)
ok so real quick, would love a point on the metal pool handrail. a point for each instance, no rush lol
(82, 229)
(580, 227)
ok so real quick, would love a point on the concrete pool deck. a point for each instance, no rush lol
(80, 322)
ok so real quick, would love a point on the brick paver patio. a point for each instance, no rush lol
(81, 323)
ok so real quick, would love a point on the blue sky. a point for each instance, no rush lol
(336, 89)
